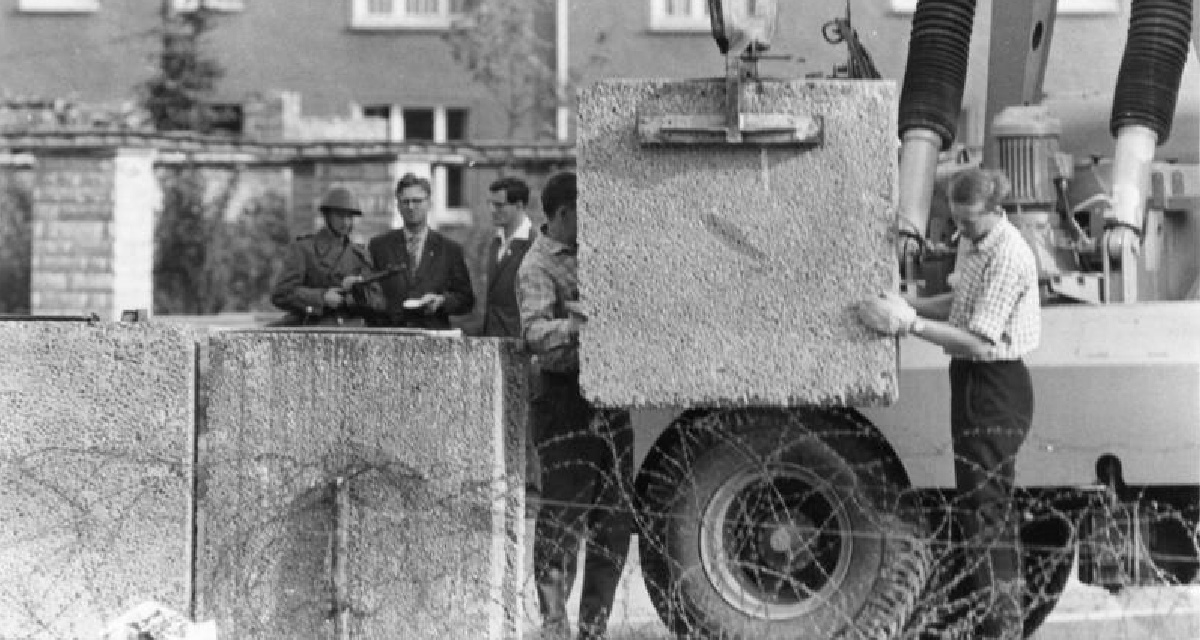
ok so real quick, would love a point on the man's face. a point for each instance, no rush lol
(561, 226)
(413, 203)
(503, 213)
(974, 220)
(340, 222)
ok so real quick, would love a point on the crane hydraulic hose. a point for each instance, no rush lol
(936, 72)
(930, 101)
(1152, 66)
(1142, 111)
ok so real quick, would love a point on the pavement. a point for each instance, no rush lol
(1083, 612)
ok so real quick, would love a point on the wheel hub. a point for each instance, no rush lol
(776, 542)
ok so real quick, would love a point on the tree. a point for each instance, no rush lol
(174, 96)
(16, 213)
(503, 44)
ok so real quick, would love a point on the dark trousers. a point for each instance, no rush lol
(586, 458)
(991, 407)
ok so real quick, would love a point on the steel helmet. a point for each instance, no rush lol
(340, 199)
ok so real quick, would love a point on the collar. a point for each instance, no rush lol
(992, 238)
(418, 236)
(552, 246)
(325, 238)
(522, 232)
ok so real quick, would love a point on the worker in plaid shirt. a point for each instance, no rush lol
(987, 323)
(586, 454)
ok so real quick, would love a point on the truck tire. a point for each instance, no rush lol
(755, 527)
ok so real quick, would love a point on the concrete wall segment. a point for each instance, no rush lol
(720, 276)
(95, 473)
(402, 474)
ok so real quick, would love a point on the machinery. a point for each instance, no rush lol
(1108, 477)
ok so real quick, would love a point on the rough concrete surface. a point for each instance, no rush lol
(95, 473)
(721, 276)
(377, 496)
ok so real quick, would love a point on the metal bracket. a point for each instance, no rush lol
(754, 129)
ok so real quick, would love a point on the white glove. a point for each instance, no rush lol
(888, 313)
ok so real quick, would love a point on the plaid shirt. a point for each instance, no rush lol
(997, 293)
(548, 277)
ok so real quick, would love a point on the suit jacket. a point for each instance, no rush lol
(502, 317)
(442, 270)
(315, 263)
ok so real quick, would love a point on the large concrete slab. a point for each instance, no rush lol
(721, 276)
(361, 485)
(95, 473)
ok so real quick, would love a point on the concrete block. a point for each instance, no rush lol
(95, 473)
(364, 485)
(722, 276)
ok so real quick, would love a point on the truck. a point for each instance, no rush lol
(804, 522)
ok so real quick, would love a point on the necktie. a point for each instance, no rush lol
(414, 252)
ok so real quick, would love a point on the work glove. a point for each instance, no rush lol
(888, 313)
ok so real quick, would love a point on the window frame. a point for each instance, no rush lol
(697, 21)
(1065, 7)
(399, 19)
(58, 6)
(221, 6)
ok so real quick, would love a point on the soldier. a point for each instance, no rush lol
(322, 278)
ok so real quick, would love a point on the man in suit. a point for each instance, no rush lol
(433, 282)
(508, 199)
(321, 279)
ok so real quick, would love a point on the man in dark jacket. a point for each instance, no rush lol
(320, 282)
(508, 199)
(433, 282)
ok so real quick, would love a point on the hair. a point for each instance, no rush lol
(559, 192)
(973, 186)
(413, 180)
(515, 190)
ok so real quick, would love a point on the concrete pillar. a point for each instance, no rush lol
(93, 231)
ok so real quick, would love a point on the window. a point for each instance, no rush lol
(405, 14)
(456, 125)
(223, 118)
(1065, 7)
(679, 15)
(418, 124)
(227, 6)
(58, 6)
(383, 111)
(455, 189)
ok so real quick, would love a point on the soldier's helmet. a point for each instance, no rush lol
(340, 200)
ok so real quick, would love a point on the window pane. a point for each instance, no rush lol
(379, 6)
(680, 8)
(418, 124)
(421, 7)
(377, 111)
(456, 124)
(454, 187)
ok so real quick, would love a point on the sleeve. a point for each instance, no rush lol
(460, 298)
(1005, 283)
(289, 292)
(540, 330)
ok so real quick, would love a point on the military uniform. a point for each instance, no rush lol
(316, 263)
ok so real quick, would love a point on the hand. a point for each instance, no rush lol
(350, 281)
(575, 324)
(333, 298)
(431, 302)
(889, 313)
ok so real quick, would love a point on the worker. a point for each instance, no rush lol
(586, 454)
(987, 324)
(321, 279)
(432, 282)
(508, 200)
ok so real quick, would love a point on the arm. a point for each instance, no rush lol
(935, 307)
(289, 293)
(541, 331)
(956, 341)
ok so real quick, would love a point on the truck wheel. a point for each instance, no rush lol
(1047, 558)
(757, 528)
